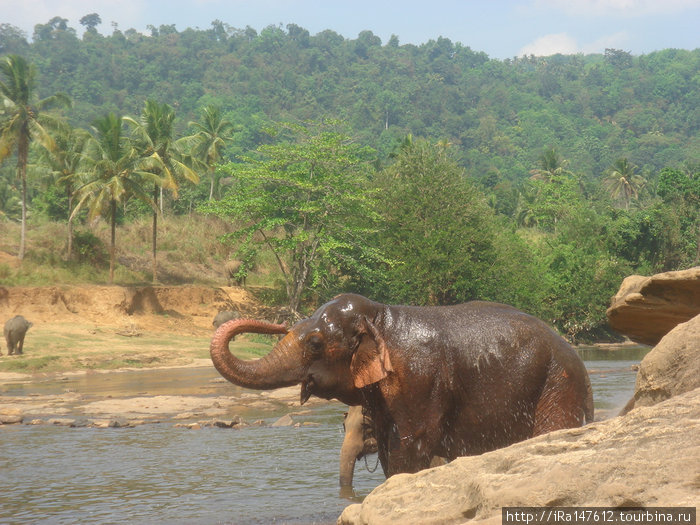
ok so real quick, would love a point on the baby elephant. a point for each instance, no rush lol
(224, 316)
(235, 273)
(15, 330)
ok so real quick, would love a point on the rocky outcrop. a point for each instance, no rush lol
(671, 368)
(648, 457)
(647, 308)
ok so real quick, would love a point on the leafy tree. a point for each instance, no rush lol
(155, 142)
(112, 165)
(212, 132)
(623, 183)
(23, 121)
(305, 199)
(436, 227)
(90, 22)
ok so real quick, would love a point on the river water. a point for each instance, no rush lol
(159, 473)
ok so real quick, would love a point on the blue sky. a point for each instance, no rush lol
(500, 28)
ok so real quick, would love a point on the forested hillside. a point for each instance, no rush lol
(557, 175)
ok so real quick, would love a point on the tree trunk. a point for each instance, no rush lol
(112, 242)
(22, 155)
(69, 256)
(155, 235)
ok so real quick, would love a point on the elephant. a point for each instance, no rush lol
(14, 331)
(234, 272)
(444, 381)
(359, 441)
(223, 316)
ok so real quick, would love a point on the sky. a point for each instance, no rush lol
(500, 28)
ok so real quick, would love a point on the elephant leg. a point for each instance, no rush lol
(411, 451)
(20, 345)
(559, 406)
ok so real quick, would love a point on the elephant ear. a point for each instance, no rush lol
(370, 362)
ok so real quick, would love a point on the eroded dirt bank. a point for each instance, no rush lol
(85, 340)
(185, 309)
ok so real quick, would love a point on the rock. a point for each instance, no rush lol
(671, 368)
(648, 457)
(61, 421)
(647, 308)
(11, 419)
(285, 421)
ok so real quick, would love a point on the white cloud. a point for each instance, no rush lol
(619, 7)
(551, 45)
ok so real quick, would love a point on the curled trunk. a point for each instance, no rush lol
(281, 367)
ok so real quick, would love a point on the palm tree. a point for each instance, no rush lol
(211, 134)
(113, 168)
(622, 182)
(551, 166)
(23, 123)
(154, 140)
(64, 165)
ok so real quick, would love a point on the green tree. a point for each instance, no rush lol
(64, 164)
(305, 199)
(155, 142)
(436, 227)
(114, 176)
(623, 183)
(551, 165)
(23, 121)
(212, 132)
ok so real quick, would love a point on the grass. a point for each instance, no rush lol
(58, 347)
(189, 251)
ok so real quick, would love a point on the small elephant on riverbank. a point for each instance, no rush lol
(14, 331)
(223, 316)
(235, 273)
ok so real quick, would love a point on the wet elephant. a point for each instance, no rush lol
(15, 329)
(440, 381)
(359, 441)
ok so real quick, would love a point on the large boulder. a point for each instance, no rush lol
(671, 368)
(647, 308)
(648, 457)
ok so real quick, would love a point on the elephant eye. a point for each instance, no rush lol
(315, 344)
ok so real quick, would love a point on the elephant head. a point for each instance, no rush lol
(332, 354)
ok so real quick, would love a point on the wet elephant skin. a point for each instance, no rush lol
(436, 381)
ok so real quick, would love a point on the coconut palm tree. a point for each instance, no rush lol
(115, 174)
(623, 183)
(23, 121)
(551, 166)
(207, 144)
(153, 134)
(64, 166)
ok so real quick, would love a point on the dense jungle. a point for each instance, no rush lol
(426, 174)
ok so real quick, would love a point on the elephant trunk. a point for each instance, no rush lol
(281, 367)
(349, 452)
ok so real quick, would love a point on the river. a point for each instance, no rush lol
(159, 473)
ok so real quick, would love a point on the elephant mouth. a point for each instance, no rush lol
(307, 389)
